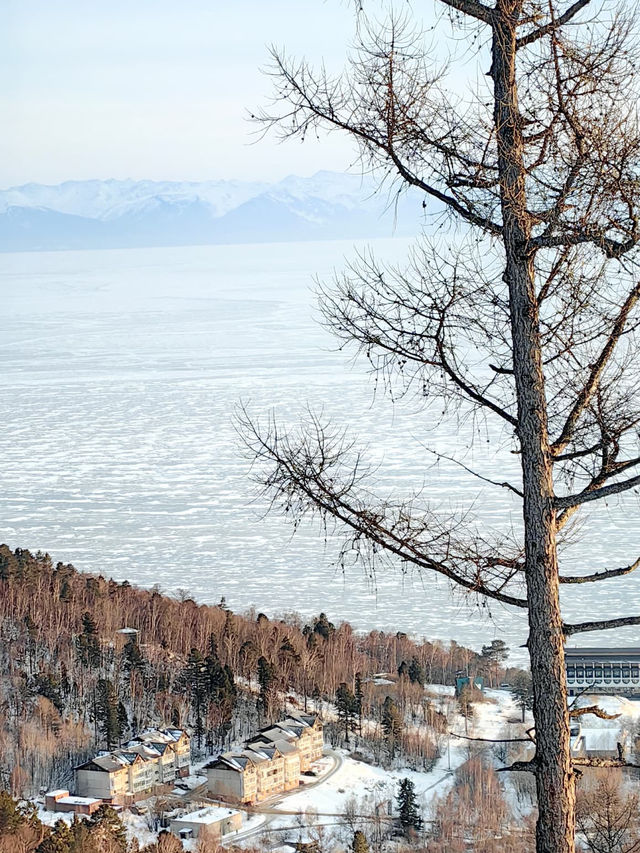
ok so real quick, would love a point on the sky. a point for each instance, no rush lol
(155, 89)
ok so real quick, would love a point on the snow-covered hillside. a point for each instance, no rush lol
(121, 214)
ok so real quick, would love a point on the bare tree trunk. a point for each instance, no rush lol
(554, 775)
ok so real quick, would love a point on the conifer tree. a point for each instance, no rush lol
(359, 843)
(522, 690)
(132, 657)
(196, 676)
(106, 822)
(416, 671)
(58, 840)
(88, 643)
(359, 704)
(392, 724)
(266, 680)
(323, 627)
(346, 708)
(221, 690)
(408, 812)
(107, 713)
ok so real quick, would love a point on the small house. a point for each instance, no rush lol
(60, 801)
(216, 820)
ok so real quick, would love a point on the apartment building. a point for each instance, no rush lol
(148, 762)
(270, 763)
(603, 670)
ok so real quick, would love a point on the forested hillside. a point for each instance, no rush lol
(70, 681)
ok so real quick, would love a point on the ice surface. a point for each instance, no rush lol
(120, 373)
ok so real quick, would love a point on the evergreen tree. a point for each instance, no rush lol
(11, 815)
(392, 724)
(82, 839)
(105, 821)
(359, 843)
(323, 627)
(408, 812)
(197, 685)
(132, 657)
(288, 658)
(359, 697)
(346, 708)
(403, 670)
(107, 713)
(416, 671)
(522, 690)
(266, 680)
(58, 840)
(494, 655)
(123, 718)
(221, 689)
(32, 633)
(47, 685)
(88, 643)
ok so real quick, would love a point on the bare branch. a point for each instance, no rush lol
(596, 371)
(520, 766)
(568, 501)
(502, 485)
(593, 710)
(552, 26)
(600, 625)
(472, 8)
(303, 475)
(493, 740)
(603, 762)
(600, 576)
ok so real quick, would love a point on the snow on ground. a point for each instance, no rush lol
(497, 717)
(51, 818)
(605, 734)
(137, 827)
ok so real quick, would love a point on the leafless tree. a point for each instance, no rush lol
(608, 816)
(526, 313)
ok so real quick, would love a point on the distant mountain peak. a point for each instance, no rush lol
(115, 213)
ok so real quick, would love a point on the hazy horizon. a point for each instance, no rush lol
(154, 91)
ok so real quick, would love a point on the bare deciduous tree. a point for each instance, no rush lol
(608, 816)
(527, 314)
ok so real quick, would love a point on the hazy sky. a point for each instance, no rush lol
(154, 88)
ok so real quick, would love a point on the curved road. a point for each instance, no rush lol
(267, 808)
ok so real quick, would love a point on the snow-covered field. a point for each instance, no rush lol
(120, 373)
(362, 787)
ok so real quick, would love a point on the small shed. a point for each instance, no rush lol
(60, 801)
(218, 821)
(476, 682)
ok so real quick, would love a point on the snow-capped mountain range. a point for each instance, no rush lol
(121, 214)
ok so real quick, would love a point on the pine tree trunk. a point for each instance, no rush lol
(555, 782)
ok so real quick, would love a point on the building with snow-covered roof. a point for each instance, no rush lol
(597, 743)
(143, 766)
(61, 801)
(270, 763)
(215, 820)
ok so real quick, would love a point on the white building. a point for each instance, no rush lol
(216, 821)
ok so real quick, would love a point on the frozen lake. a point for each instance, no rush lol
(120, 374)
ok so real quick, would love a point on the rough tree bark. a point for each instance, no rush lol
(555, 781)
(548, 175)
